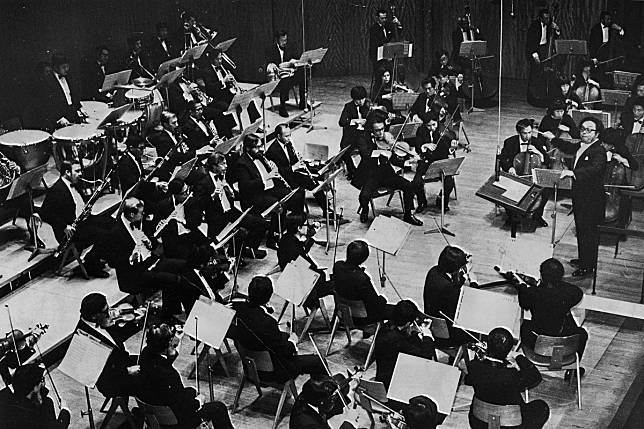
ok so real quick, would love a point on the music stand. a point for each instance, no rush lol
(240, 102)
(393, 51)
(113, 79)
(441, 169)
(403, 100)
(328, 185)
(277, 207)
(547, 178)
(623, 80)
(387, 234)
(309, 58)
(473, 50)
(615, 98)
(405, 131)
(114, 116)
(571, 47)
(225, 45)
(578, 115)
(262, 92)
(334, 161)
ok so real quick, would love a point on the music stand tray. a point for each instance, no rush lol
(473, 48)
(407, 131)
(403, 100)
(571, 47)
(118, 78)
(615, 97)
(578, 115)
(445, 167)
(337, 158)
(114, 115)
(390, 51)
(623, 80)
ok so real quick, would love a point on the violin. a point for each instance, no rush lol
(22, 339)
(125, 313)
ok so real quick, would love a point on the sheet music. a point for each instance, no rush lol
(513, 190)
(482, 310)
(85, 359)
(296, 281)
(214, 320)
(387, 234)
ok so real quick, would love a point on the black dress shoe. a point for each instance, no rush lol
(97, 273)
(272, 244)
(412, 220)
(541, 222)
(570, 372)
(582, 272)
(364, 216)
(283, 113)
(421, 207)
(253, 253)
(575, 262)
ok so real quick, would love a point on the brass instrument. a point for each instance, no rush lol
(234, 88)
(163, 223)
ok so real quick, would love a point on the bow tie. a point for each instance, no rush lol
(134, 225)
(640, 121)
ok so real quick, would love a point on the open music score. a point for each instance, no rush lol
(296, 281)
(481, 311)
(214, 321)
(512, 190)
(85, 359)
(119, 78)
(387, 234)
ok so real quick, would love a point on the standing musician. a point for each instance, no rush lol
(137, 59)
(539, 34)
(500, 380)
(540, 52)
(401, 334)
(201, 132)
(588, 198)
(631, 122)
(161, 383)
(377, 171)
(383, 31)
(257, 330)
(93, 75)
(557, 121)
(352, 120)
(353, 283)
(425, 101)
(549, 302)
(261, 185)
(442, 289)
(162, 48)
(120, 372)
(29, 406)
(60, 96)
(62, 206)
(520, 144)
(602, 34)
(280, 64)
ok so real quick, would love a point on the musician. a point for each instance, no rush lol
(401, 334)
(62, 206)
(138, 60)
(383, 31)
(442, 67)
(29, 406)
(352, 120)
(353, 283)
(169, 137)
(93, 75)
(499, 379)
(376, 172)
(637, 90)
(584, 80)
(161, 383)
(632, 122)
(217, 200)
(8, 167)
(60, 97)
(200, 131)
(292, 168)
(601, 35)
(193, 31)
(568, 95)
(381, 94)
(257, 330)
(261, 186)
(442, 289)
(315, 404)
(162, 48)
(425, 101)
(276, 56)
(588, 198)
(522, 143)
(463, 33)
(220, 83)
(556, 121)
(539, 34)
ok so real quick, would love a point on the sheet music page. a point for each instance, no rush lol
(387, 234)
(482, 310)
(214, 319)
(513, 190)
(512, 254)
(296, 281)
(85, 359)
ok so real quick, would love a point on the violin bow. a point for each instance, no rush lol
(51, 380)
(326, 368)
(145, 322)
(13, 335)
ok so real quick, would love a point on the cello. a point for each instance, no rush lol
(586, 88)
(616, 177)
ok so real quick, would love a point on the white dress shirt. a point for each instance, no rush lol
(582, 148)
(544, 34)
(62, 81)
(78, 200)
(102, 331)
(637, 127)
(223, 198)
(268, 183)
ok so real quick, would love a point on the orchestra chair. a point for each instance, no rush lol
(375, 389)
(441, 332)
(71, 250)
(117, 402)
(555, 354)
(384, 192)
(276, 93)
(496, 416)
(156, 416)
(254, 361)
(345, 310)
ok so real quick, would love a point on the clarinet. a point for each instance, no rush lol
(162, 224)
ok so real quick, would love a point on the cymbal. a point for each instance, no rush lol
(142, 82)
(132, 87)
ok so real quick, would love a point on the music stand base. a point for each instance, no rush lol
(475, 110)
(440, 230)
(38, 251)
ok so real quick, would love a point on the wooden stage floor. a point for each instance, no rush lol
(614, 353)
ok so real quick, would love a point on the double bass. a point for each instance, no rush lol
(542, 82)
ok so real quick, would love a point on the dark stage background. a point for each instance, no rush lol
(31, 29)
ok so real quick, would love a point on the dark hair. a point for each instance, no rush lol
(280, 33)
(315, 392)
(158, 338)
(65, 167)
(58, 60)
(381, 71)
(250, 141)
(293, 221)
(381, 10)
(191, 105)
(358, 93)
(404, 312)
(215, 159)
(638, 101)
(134, 140)
(599, 124)
(451, 259)
(556, 104)
(260, 290)
(522, 124)
(26, 377)
(544, 11)
(92, 304)
(429, 80)
(604, 14)
(499, 343)
(551, 270)
(175, 186)
(280, 127)
(166, 115)
(357, 252)
(432, 115)
(422, 413)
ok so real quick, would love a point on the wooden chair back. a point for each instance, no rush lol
(496, 416)
(157, 416)
(254, 361)
(560, 350)
(348, 309)
(439, 328)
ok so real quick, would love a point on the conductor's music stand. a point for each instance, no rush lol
(441, 169)
(547, 178)
(474, 50)
(571, 47)
(616, 98)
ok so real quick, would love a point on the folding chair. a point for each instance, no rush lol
(440, 331)
(117, 402)
(496, 416)
(157, 416)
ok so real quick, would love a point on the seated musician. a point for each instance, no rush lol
(442, 66)
(401, 334)
(140, 270)
(631, 123)
(568, 95)
(425, 100)
(162, 49)
(170, 139)
(382, 90)
(119, 376)
(61, 103)
(280, 63)
(93, 75)
(432, 146)
(353, 283)
(62, 206)
(217, 200)
(316, 403)
(29, 406)
(138, 60)
(584, 85)
(521, 144)
(257, 330)
(261, 186)
(200, 131)
(557, 121)
(637, 90)
(161, 383)
(500, 380)
(297, 241)
(8, 168)
(550, 301)
(442, 289)
(377, 171)
(352, 120)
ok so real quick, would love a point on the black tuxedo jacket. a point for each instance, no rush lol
(211, 206)
(378, 37)
(137, 70)
(58, 209)
(161, 385)
(272, 54)
(214, 87)
(276, 154)
(627, 120)
(55, 104)
(549, 124)
(369, 167)
(511, 147)
(250, 181)
(290, 248)
(92, 78)
(442, 144)
(534, 37)
(191, 210)
(440, 293)
(129, 171)
(21, 413)
(420, 105)
(550, 307)
(121, 247)
(457, 39)
(158, 55)
(354, 283)
(196, 137)
(305, 417)
(350, 133)
(163, 143)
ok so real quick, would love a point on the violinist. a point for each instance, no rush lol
(557, 122)
(161, 383)
(29, 406)
(602, 34)
(316, 403)
(568, 95)
(500, 379)
(376, 170)
(352, 120)
(584, 86)
(383, 89)
(280, 63)
(20, 342)
(383, 31)
(631, 122)
(425, 101)
(549, 302)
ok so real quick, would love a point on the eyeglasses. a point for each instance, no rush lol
(587, 130)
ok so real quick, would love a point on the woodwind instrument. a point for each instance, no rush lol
(142, 247)
(234, 85)
(273, 167)
(161, 225)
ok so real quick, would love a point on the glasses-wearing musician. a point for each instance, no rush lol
(352, 120)
(500, 379)
(161, 383)
(280, 64)
(200, 130)
(60, 103)
(588, 198)
(28, 406)
(93, 73)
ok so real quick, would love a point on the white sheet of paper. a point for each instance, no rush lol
(414, 376)
(513, 190)
(296, 281)
(85, 359)
(387, 234)
(513, 256)
(214, 320)
(483, 310)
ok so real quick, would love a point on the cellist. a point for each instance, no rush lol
(557, 121)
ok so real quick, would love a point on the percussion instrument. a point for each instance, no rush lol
(27, 148)
(7, 176)
(96, 110)
(79, 142)
(140, 97)
(143, 82)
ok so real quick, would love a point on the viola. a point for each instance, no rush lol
(125, 313)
